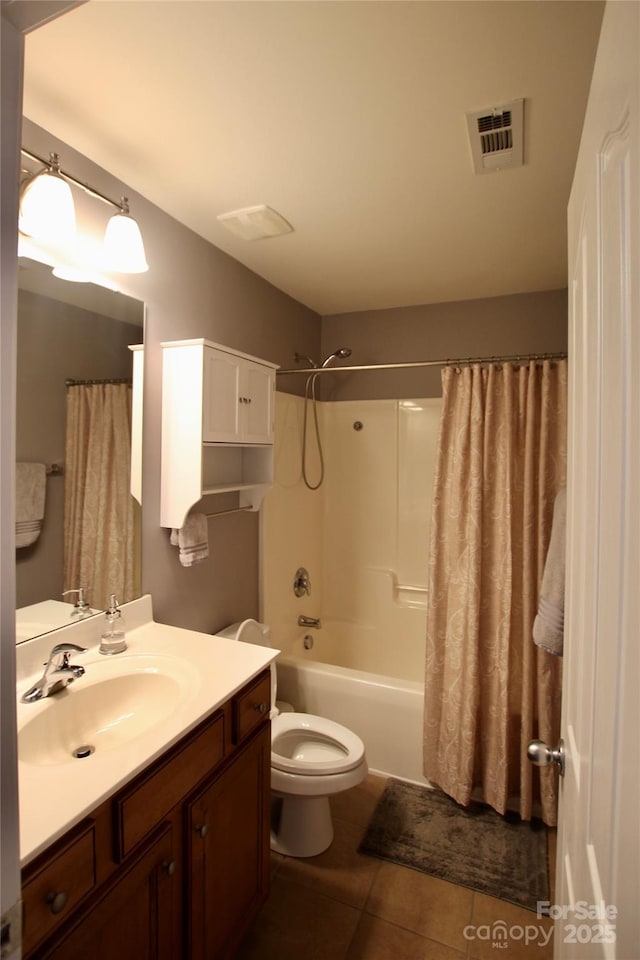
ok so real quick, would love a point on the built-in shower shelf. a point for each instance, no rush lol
(217, 427)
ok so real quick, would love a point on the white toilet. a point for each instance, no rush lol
(311, 758)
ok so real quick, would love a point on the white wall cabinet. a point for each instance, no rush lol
(217, 426)
(238, 399)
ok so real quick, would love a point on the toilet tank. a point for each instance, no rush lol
(251, 631)
(248, 631)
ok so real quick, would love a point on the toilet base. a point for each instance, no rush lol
(300, 826)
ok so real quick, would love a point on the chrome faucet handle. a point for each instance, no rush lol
(65, 649)
(302, 582)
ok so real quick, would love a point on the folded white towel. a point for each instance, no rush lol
(548, 626)
(192, 539)
(31, 487)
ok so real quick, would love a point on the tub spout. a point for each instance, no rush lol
(309, 622)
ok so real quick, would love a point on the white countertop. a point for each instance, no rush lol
(55, 796)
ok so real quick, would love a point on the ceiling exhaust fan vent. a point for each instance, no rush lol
(495, 135)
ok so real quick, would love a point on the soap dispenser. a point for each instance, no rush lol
(81, 608)
(112, 639)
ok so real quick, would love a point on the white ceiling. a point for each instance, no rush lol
(348, 118)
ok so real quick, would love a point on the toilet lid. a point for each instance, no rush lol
(249, 632)
(308, 745)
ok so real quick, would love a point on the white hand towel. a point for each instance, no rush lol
(192, 539)
(31, 487)
(548, 626)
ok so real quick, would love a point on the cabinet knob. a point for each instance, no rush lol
(261, 708)
(202, 829)
(57, 901)
(169, 866)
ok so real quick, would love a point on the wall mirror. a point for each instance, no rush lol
(71, 332)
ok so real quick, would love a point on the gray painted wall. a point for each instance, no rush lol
(194, 290)
(522, 323)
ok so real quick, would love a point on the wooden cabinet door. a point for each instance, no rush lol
(229, 852)
(134, 919)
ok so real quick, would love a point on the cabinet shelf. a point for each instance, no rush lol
(217, 427)
(233, 488)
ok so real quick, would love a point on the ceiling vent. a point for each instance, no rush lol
(495, 135)
(255, 223)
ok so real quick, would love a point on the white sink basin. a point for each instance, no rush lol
(111, 705)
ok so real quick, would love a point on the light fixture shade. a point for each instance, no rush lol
(47, 213)
(123, 247)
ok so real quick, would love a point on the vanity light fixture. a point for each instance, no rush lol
(47, 220)
(47, 212)
(123, 247)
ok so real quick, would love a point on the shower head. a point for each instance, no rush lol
(341, 354)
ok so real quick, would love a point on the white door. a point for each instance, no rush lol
(598, 880)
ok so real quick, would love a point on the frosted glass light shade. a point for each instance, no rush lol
(123, 246)
(47, 213)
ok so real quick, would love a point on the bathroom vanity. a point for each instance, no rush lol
(173, 860)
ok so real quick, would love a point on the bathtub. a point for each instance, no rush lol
(385, 712)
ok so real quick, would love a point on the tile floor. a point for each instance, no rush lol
(342, 905)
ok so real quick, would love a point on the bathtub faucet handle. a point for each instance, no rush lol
(302, 583)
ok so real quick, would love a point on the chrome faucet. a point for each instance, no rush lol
(58, 673)
(309, 622)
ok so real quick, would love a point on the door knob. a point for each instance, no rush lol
(543, 755)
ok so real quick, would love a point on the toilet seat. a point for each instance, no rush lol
(306, 745)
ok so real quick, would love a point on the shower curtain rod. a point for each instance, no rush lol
(88, 383)
(520, 358)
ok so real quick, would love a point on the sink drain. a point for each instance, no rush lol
(84, 751)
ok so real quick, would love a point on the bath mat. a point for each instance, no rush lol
(473, 846)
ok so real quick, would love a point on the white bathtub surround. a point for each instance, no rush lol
(363, 535)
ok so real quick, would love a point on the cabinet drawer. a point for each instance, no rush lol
(251, 707)
(52, 891)
(140, 807)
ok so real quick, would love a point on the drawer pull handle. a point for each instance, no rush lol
(169, 866)
(202, 829)
(57, 901)
(261, 708)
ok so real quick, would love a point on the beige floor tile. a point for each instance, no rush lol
(496, 922)
(423, 904)
(357, 805)
(376, 939)
(299, 923)
(340, 872)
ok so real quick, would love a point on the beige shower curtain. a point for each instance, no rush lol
(489, 689)
(99, 552)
